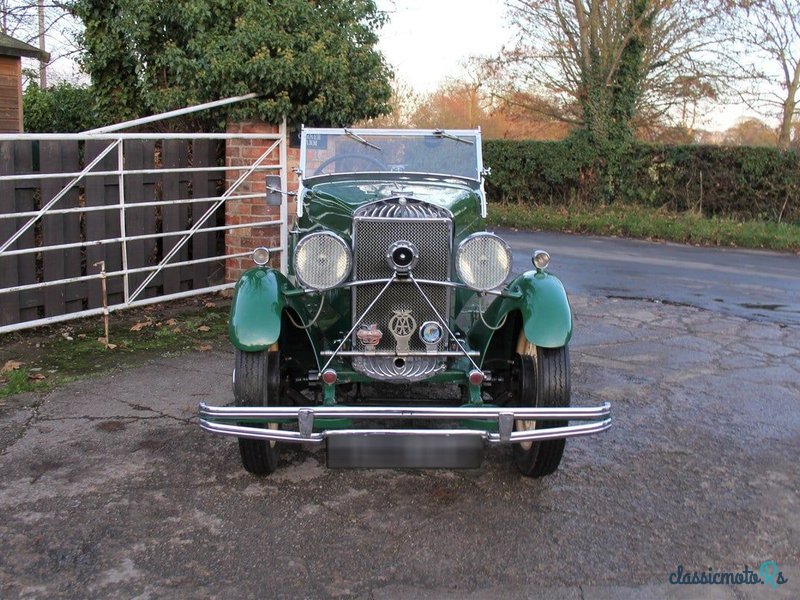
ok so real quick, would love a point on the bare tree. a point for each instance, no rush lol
(770, 31)
(47, 24)
(611, 64)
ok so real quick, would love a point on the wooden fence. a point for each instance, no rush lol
(176, 211)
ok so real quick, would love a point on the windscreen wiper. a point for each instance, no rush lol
(442, 133)
(358, 138)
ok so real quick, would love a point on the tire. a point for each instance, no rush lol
(542, 380)
(256, 382)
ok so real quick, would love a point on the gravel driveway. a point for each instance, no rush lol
(109, 489)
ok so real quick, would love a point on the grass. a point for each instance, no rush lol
(41, 359)
(648, 223)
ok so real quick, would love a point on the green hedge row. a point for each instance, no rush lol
(737, 182)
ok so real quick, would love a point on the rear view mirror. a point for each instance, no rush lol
(274, 192)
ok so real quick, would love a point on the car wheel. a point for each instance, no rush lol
(256, 382)
(541, 377)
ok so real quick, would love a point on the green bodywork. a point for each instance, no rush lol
(258, 303)
(329, 204)
(542, 302)
(263, 295)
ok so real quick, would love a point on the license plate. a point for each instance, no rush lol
(347, 450)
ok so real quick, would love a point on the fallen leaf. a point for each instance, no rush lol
(175, 330)
(35, 376)
(141, 325)
(203, 348)
(111, 346)
(210, 305)
(171, 323)
(82, 335)
(11, 365)
(204, 328)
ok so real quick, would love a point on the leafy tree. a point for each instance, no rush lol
(313, 61)
(751, 132)
(62, 108)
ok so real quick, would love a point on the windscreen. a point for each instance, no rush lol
(326, 152)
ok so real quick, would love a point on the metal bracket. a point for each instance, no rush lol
(305, 421)
(506, 423)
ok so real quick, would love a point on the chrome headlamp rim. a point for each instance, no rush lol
(261, 256)
(460, 250)
(305, 240)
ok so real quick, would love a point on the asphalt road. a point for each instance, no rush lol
(753, 284)
(109, 488)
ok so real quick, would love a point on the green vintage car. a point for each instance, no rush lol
(399, 337)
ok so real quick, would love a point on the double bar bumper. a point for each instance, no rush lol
(227, 420)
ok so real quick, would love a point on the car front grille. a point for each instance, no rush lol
(429, 228)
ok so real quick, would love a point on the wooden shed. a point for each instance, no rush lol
(11, 53)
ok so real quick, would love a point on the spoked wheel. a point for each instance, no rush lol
(541, 379)
(257, 382)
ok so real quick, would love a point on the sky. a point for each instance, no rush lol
(426, 40)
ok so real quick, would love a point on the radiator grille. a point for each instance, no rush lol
(372, 238)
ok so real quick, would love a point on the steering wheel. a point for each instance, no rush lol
(370, 159)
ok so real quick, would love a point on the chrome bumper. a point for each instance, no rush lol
(226, 420)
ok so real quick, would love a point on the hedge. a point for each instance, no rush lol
(742, 183)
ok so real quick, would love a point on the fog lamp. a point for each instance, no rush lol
(540, 260)
(261, 256)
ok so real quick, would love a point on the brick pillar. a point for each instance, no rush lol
(243, 153)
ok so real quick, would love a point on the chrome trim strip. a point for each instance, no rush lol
(570, 413)
(280, 435)
(443, 353)
(365, 208)
(554, 433)
(452, 284)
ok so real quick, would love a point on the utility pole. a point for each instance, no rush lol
(42, 63)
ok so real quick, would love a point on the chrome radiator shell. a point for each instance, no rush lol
(376, 227)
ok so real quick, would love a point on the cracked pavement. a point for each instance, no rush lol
(109, 488)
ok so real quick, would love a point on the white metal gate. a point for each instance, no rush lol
(24, 246)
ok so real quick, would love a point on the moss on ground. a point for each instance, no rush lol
(40, 359)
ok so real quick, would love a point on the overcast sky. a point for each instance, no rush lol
(426, 40)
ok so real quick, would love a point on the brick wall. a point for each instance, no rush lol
(244, 153)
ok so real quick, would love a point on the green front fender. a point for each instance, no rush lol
(258, 303)
(546, 315)
(541, 300)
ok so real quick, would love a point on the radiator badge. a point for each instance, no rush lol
(402, 326)
(370, 336)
